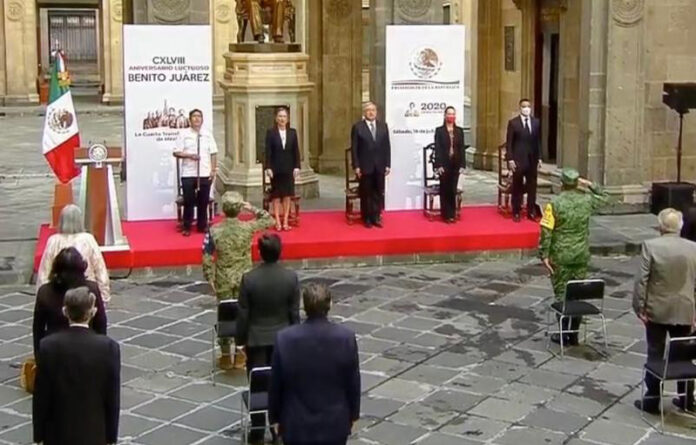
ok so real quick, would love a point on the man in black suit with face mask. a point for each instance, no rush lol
(523, 155)
(371, 159)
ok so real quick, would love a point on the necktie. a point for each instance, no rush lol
(372, 130)
(526, 125)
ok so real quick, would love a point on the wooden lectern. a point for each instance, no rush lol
(98, 195)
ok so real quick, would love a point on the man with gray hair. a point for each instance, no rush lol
(664, 299)
(77, 394)
(371, 161)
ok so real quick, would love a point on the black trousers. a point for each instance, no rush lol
(198, 200)
(371, 190)
(448, 192)
(257, 357)
(656, 334)
(524, 179)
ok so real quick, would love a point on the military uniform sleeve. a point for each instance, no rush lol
(263, 219)
(548, 223)
(600, 197)
(208, 256)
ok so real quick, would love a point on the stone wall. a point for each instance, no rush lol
(669, 55)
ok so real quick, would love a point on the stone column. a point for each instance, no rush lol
(112, 16)
(527, 46)
(489, 40)
(626, 154)
(341, 79)
(224, 24)
(20, 62)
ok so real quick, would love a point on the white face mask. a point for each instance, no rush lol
(526, 111)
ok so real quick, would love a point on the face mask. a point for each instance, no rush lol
(526, 111)
(450, 119)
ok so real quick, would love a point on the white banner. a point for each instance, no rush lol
(167, 73)
(424, 75)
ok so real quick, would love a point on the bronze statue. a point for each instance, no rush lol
(274, 13)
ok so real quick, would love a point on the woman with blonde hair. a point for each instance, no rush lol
(71, 233)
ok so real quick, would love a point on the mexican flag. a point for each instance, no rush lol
(61, 136)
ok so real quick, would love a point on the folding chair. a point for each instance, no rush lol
(575, 304)
(226, 327)
(255, 399)
(676, 366)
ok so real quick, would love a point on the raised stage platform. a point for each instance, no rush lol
(325, 235)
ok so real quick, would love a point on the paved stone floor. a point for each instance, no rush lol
(450, 354)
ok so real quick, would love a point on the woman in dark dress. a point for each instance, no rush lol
(67, 272)
(449, 151)
(282, 165)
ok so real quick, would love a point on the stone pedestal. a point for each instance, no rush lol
(253, 84)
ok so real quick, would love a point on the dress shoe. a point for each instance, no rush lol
(186, 232)
(240, 359)
(225, 362)
(377, 223)
(556, 338)
(516, 217)
(532, 215)
(646, 407)
(573, 339)
(678, 403)
(368, 224)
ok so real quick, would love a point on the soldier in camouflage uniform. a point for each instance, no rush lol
(564, 244)
(230, 240)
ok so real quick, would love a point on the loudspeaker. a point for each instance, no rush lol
(678, 195)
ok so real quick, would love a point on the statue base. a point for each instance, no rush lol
(255, 84)
(265, 48)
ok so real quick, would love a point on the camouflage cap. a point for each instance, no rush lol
(232, 202)
(569, 176)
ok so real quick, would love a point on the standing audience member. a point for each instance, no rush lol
(564, 244)
(664, 300)
(227, 256)
(77, 395)
(315, 379)
(688, 230)
(71, 233)
(282, 165)
(449, 151)
(269, 300)
(68, 272)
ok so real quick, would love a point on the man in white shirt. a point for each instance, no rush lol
(197, 150)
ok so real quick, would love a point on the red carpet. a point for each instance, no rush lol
(325, 234)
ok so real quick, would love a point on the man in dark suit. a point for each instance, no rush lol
(269, 300)
(523, 154)
(371, 159)
(76, 399)
(315, 379)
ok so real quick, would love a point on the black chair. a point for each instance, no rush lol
(226, 327)
(431, 185)
(576, 304)
(677, 365)
(255, 399)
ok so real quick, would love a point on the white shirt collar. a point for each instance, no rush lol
(79, 325)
